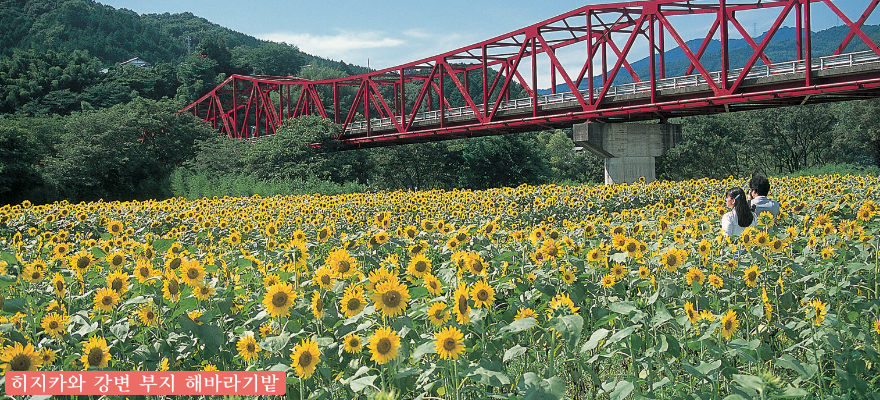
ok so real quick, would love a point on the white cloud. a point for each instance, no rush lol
(342, 45)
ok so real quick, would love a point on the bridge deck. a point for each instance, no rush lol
(668, 89)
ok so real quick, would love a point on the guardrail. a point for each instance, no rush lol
(677, 82)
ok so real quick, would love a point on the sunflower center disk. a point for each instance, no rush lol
(96, 355)
(384, 346)
(449, 344)
(21, 362)
(391, 298)
(279, 300)
(305, 359)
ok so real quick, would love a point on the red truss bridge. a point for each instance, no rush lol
(491, 87)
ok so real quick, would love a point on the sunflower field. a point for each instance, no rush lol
(540, 292)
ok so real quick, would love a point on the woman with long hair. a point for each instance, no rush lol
(740, 215)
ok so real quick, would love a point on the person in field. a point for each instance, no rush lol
(740, 216)
(759, 188)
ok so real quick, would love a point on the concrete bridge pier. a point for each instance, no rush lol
(629, 149)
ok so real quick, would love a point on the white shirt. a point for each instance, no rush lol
(730, 225)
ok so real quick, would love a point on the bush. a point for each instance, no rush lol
(196, 185)
(837, 169)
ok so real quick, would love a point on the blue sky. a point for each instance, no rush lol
(387, 33)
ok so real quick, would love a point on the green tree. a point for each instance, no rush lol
(24, 144)
(712, 146)
(279, 59)
(289, 153)
(791, 138)
(124, 152)
(567, 165)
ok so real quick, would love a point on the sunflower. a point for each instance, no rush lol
(17, 357)
(143, 270)
(59, 285)
(353, 301)
(474, 262)
(417, 248)
(116, 259)
(568, 276)
(704, 248)
(595, 255)
(47, 356)
(247, 347)
(174, 262)
(54, 324)
(106, 299)
(695, 275)
(203, 292)
(448, 342)
(608, 280)
(317, 305)
(561, 303)
(671, 259)
(437, 313)
(118, 281)
(716, 281)
(270, 229)
(877, 326)
(171, 288)
(147, 315)
(644, 272)
(619, 271)
(192, 273)
(762, 239)
(820, 309)
(827, 253)
(234, 238)
(115, 227)
(278, 299)
(462, 309)
(525, 313)
(691, 312)
(377, 276)
(324, 233)
(390, 297)
(60, 250)
(34, 272)
(419, 266)
(341, 263)
(482, 294)
(384, 344)
(95, 353)
(379, 239)
(729, 324)
(305, 357)
(410, 232)
(352, 343)
(209, 367)
(269, 328)
(434, 286)
(751, 276)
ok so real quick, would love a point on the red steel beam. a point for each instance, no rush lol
(242, 102)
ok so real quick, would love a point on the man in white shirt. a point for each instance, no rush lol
(759, 188)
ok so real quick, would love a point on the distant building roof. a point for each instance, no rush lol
(136, 61)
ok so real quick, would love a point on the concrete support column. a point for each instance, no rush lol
(629, 150)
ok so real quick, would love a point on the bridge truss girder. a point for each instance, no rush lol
(604, 37)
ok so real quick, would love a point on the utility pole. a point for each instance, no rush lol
(188, 42)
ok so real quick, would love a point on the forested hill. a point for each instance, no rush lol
(52, 52)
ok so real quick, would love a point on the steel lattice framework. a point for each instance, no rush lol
(583, 52)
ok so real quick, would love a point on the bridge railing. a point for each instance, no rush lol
(677, 82)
